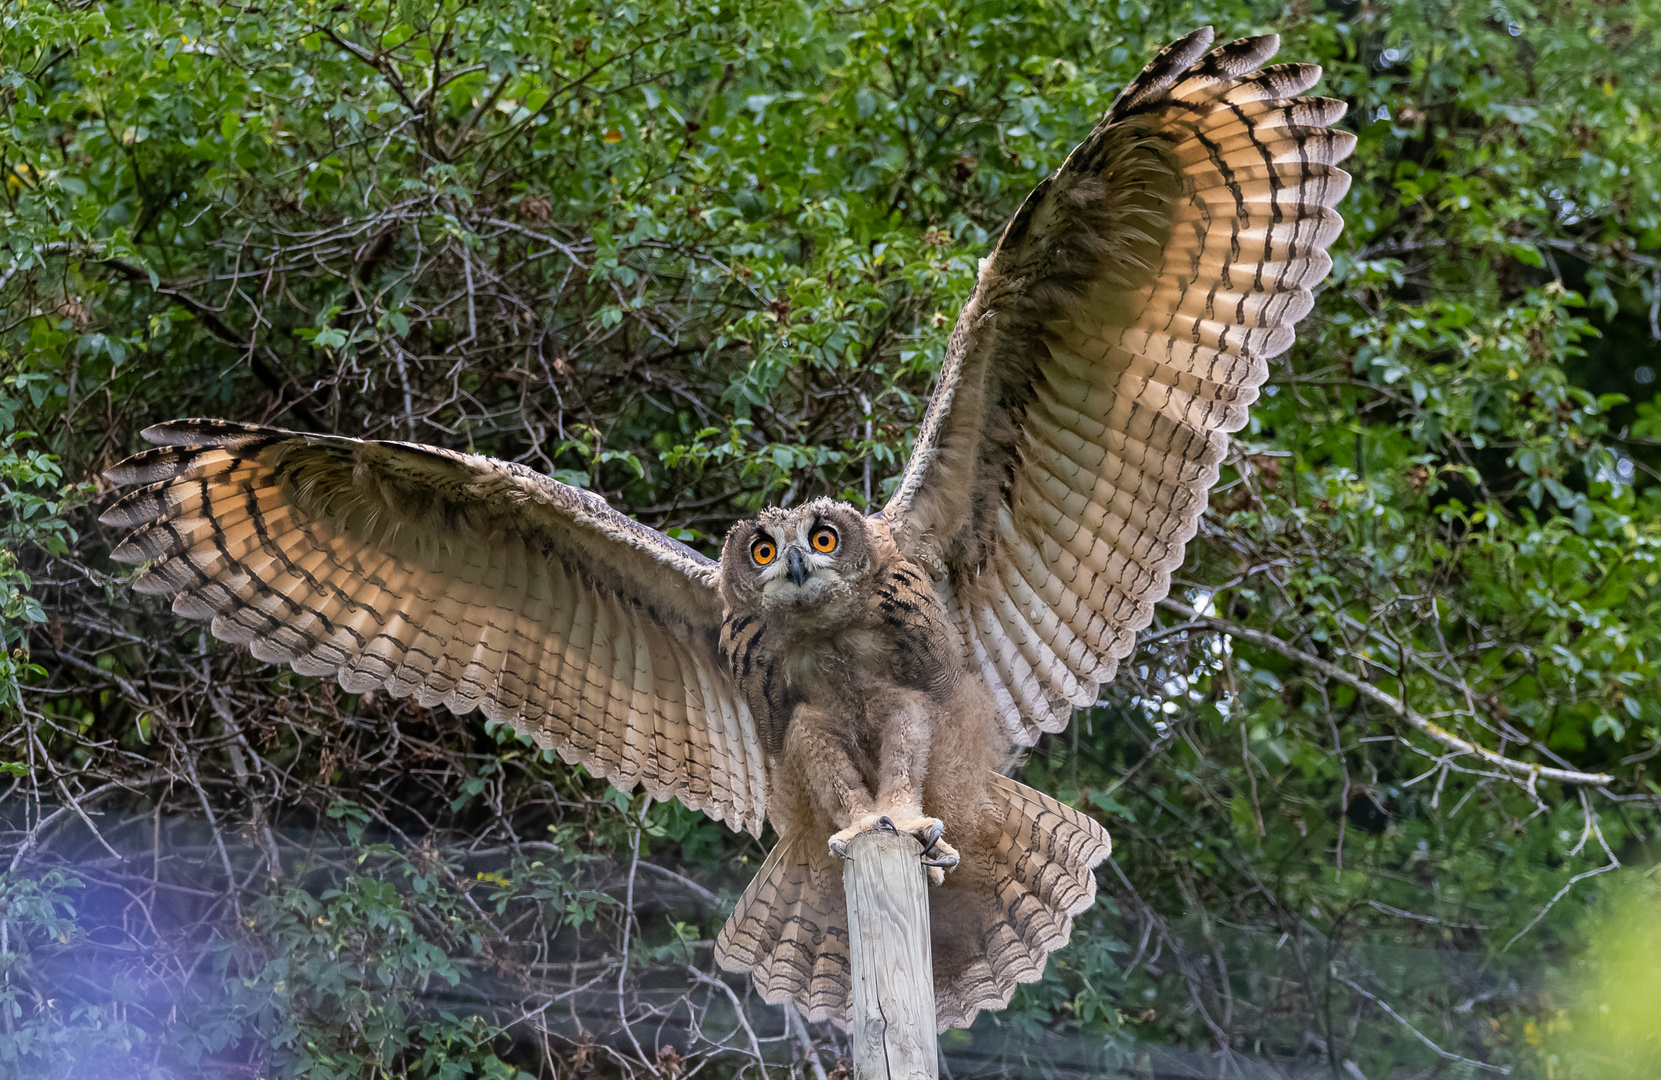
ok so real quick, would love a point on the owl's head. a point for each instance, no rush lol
(812, 560)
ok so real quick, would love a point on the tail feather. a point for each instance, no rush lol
(1000, 914)
(790, 931)
(1037, 876)
(1050, 847)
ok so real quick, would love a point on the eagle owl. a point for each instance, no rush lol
(833, 669)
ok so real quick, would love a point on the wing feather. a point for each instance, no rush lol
(1115, 338)
(458, 580)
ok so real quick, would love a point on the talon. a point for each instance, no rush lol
(839, 841)
(941, 854)
(886, 822)
(931, 835)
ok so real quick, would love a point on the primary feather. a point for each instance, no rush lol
(462, 580)
(1114, 339)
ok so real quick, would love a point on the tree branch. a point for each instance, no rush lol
(1372, 693)
(273, 379)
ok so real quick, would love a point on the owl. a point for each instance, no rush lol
(834, 672)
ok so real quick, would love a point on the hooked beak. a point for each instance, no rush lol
(796, 568)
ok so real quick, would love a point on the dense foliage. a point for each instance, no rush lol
(704, 257)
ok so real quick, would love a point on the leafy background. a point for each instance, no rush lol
(701, 258)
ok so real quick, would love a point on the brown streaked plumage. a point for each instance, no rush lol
(1114, 339)
(831, 669)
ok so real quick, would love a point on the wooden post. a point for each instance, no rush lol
(892, 1027)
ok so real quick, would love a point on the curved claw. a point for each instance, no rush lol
(936, 853)
(839, 842)
(940, 854)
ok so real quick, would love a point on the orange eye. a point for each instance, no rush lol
(824, 540)
(763, 552)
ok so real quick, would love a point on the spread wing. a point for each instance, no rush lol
(459, 579)
(1114, 339)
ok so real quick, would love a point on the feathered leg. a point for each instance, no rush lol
(905, 759)
(901, 768)
(819, 742)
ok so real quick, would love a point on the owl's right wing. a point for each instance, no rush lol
(1114, 339)
(460, 580)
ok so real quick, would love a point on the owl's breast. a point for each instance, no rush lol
(778, 666)
(903, 637)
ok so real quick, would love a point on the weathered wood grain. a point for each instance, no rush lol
(891, 1028)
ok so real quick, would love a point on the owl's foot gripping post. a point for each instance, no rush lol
(901, 766)
(938, 855)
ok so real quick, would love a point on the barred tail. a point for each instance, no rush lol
(790, 930)
(995, 921)
(1007, 907)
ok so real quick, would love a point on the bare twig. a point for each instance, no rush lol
(1561, 893)
(1449, 1055)
(1389, 701)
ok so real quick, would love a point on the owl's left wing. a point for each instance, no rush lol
(461, 580)
(1114, 339)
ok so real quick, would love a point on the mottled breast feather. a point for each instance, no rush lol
(1114, 339)
(458, 579)
(751, 650)
(922, 645)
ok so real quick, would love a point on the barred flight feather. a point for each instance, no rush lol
(1038, 874)
(464, 581)
(1115, 338)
